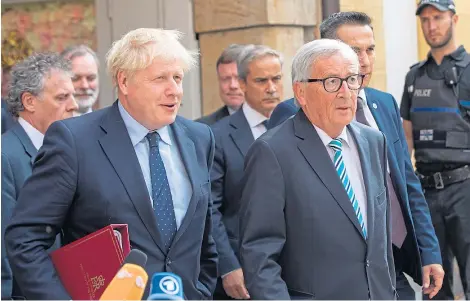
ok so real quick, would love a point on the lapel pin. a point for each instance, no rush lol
(374, 105)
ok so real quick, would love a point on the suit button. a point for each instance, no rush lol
(367, 263)
(168, 261)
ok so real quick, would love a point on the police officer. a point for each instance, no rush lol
(436, 117)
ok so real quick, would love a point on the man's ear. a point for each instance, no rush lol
(455, 19)
(299, 93)
(122, 81)
(29, 102)
(242, 84)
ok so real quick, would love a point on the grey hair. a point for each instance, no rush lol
(329, 27)
(306, 57)
(253, 52)
(75, 51)
(230, 54)
(29, 76)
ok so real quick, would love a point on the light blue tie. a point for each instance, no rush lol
(337, 146)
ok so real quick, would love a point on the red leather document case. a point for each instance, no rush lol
(86, 266)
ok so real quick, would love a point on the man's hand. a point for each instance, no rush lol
(437, 273)
(234, 285)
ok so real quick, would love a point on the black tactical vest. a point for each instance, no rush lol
(441, 122)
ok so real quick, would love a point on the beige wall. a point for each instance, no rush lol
(374, 8)
(463, 27)
(284, 25)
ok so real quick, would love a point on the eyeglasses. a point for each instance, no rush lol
(333, 84)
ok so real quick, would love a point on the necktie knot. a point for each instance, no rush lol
(153, 138)
(336, 144)
(265, 123)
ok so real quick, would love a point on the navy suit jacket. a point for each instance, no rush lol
(282, 112)
(422, 245)
(88, 176)
(214, 117)
(233, 138)
(18, 153)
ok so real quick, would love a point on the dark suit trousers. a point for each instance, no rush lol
(404, 289)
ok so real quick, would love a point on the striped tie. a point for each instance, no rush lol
(337, 146)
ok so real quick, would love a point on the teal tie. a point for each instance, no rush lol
(337, 146)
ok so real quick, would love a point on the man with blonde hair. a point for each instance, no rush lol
(133, 163)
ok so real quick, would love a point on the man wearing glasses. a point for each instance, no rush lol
(415, 246)
(314, 204)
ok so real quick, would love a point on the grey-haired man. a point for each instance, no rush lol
(41, 92)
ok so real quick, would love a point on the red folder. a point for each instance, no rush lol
(86, 266)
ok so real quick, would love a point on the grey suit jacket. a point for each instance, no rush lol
(214, 117)
(18, 153)
(300, 237)
(233, 138)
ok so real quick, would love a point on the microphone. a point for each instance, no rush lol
(166, 286)
(135, 257)
(130, 281)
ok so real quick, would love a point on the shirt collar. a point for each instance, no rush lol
(326, 139)
(230, 110)
(137, 132)
(457, 54)
(253, 117)
(36, 136)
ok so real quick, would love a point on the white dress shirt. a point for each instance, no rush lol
(36, 136)
(352, 162)
(178, 179)
(255, 120)
(230, 110)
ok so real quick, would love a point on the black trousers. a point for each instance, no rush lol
(404, 289)
(450, 213)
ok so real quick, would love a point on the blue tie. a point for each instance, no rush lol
(161, 194)
(337, 146)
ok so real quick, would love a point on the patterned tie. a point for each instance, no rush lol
(161, 194)
(337, 146)
(398, 223)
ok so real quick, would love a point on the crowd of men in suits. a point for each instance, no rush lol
(312, 198)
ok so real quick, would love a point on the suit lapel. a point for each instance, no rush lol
(363, 149)
(241, 133)
(28, 145)
(118, 147)
(223, 112)
(189, 157)
(314, 151)
(378, 112)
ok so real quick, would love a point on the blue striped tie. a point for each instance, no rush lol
(337, 146)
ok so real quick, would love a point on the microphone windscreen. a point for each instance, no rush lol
(136, 257)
